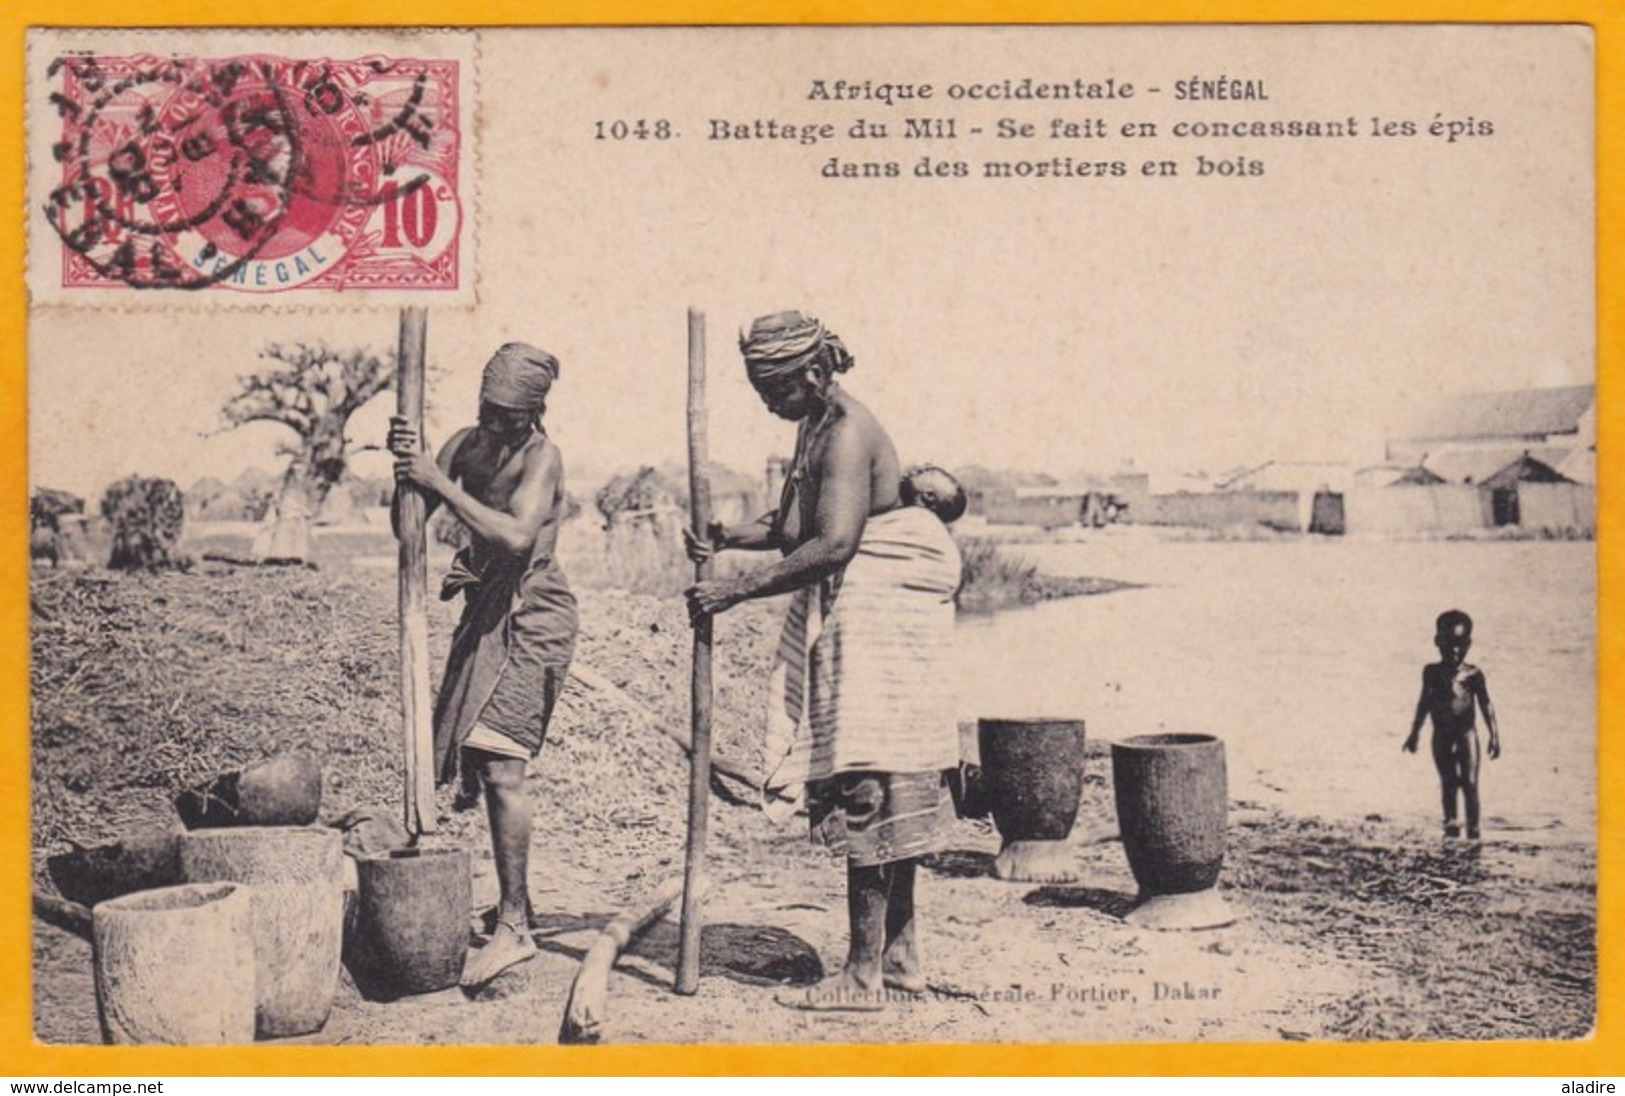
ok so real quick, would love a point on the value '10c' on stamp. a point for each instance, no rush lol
(270, 169)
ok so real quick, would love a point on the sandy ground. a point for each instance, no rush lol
(1381, 937)
(1352, 928)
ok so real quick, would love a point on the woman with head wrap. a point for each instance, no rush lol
(858, 696)
(509, 657)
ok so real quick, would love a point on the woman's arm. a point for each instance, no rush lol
(515, 529)
(841, 471)
(755, 536)
(403, 442)
(530, 505)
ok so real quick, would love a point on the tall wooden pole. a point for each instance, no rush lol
(412, 513)
(699, 783)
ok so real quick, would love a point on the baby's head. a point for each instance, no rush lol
(931, 487)
(1453, 636)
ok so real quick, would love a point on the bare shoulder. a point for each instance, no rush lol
(857, 413)
(542, 456)
(857, 426)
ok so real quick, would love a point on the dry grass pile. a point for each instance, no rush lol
(612, 786)
(146, 684)
(644, 645)
(1441, 922)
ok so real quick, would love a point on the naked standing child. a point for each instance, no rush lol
(1451, 689)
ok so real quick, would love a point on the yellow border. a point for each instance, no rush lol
(1600, 1056)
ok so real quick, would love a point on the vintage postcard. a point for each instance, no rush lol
(1106, 517)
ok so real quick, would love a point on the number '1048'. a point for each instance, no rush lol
(641, 129)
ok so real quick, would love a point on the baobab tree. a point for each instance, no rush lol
(313, 391)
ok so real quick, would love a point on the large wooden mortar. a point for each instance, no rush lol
(175, 965)
(1032, 779)
(411, 925)
(297, 876)
(1172, 800)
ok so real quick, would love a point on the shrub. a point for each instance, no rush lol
(146, 517)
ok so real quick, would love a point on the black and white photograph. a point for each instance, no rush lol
(813, 535)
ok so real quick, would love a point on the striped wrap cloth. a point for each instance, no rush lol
(862, 679)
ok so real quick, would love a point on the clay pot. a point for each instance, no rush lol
(175, 965)
(284, 791)
(1172, 801)
(133, 863)
(1032, 780)
(297, 877)
(411, 925)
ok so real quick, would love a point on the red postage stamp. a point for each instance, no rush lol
(255, 176)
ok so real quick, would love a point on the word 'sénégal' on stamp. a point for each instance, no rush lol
(279, 170)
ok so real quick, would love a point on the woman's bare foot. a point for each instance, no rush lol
(840, 993)
(509, 945)
(901, 968)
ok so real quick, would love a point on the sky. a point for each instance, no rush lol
(1055, 324)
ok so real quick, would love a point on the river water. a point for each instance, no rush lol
(1305, 656)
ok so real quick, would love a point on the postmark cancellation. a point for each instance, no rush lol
(264, 170)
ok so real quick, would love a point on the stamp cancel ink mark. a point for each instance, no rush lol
(256, 174)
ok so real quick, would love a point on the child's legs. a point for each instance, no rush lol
(1467, 763)
(1444, 759)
